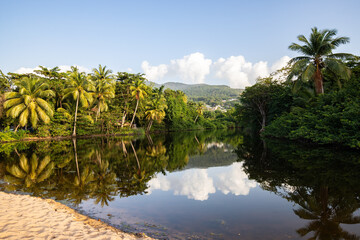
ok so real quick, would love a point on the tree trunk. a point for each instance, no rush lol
(123, 119)
(319, 88)
(137, 104)
(17, 127)
(75, 118)
(76, 159)
(263, 120)
(149, 126)
(149, 139)
(136, 157)
(196, 118)
(97, 114)
(124, 148)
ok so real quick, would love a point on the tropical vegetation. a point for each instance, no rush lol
(50, 103)
(314, 99)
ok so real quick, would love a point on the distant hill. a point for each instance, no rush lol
(210, 94)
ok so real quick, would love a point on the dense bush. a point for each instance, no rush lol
(333, 118)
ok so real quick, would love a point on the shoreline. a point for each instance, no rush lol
(24, 216)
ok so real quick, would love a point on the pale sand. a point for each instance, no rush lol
(26, 217)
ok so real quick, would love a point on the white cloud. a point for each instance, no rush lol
(63, 68)
(154, 73)
(197, 184)
(234, 181)
(234, 71)
(279, 64)
(193, 183)
(190, 69)
(24, 70)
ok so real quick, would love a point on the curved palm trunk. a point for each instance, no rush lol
(149, 126)
(123, 119)
(196, 118)
(76, 159)
(137, 104)
(97, 114)
(75, 118)
(136, 157)
(319, 88)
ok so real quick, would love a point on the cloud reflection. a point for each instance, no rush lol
(197, 184)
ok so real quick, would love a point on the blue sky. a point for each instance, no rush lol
(215, 42)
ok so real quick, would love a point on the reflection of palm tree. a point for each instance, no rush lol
(105, 182)
(29, 172)
(325, 212)
(82, 181)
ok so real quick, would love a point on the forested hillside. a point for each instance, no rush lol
(209, 94)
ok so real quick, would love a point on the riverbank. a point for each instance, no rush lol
(27, 217)
(11, 139)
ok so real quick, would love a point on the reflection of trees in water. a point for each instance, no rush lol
(325, 213)
(99, 168)
(29, 173)
(322, 182)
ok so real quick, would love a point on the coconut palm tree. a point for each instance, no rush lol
(56, 82)
(318, 56)
(156, 107)
(138, 91)
(28, 102)
(80, 88)
(199, 110)
(104, 89)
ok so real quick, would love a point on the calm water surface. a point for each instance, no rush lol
(195, 185)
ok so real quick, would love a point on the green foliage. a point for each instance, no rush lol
(212, 95)
(333, 118)
(262, 102)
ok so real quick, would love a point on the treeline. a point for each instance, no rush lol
(211, 95)
(49, 102)
(315, 99)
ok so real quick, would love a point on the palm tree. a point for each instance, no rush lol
(318, 56)
(104, 89)
(28, 103)
(138, 92)
(199, 110)
(56, 82)
(79, 87)
(156, 107)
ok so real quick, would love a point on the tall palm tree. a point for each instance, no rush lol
(138, 91)
(56, 81)
(104, 89)
(318, 56)
(156, 107)
(80, 88)
(28, 103)
(199, 110)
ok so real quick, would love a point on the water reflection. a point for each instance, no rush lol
(198, 185)
(322, 182)
(218, 181)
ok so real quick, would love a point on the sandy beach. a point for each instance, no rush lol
(26, 217)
